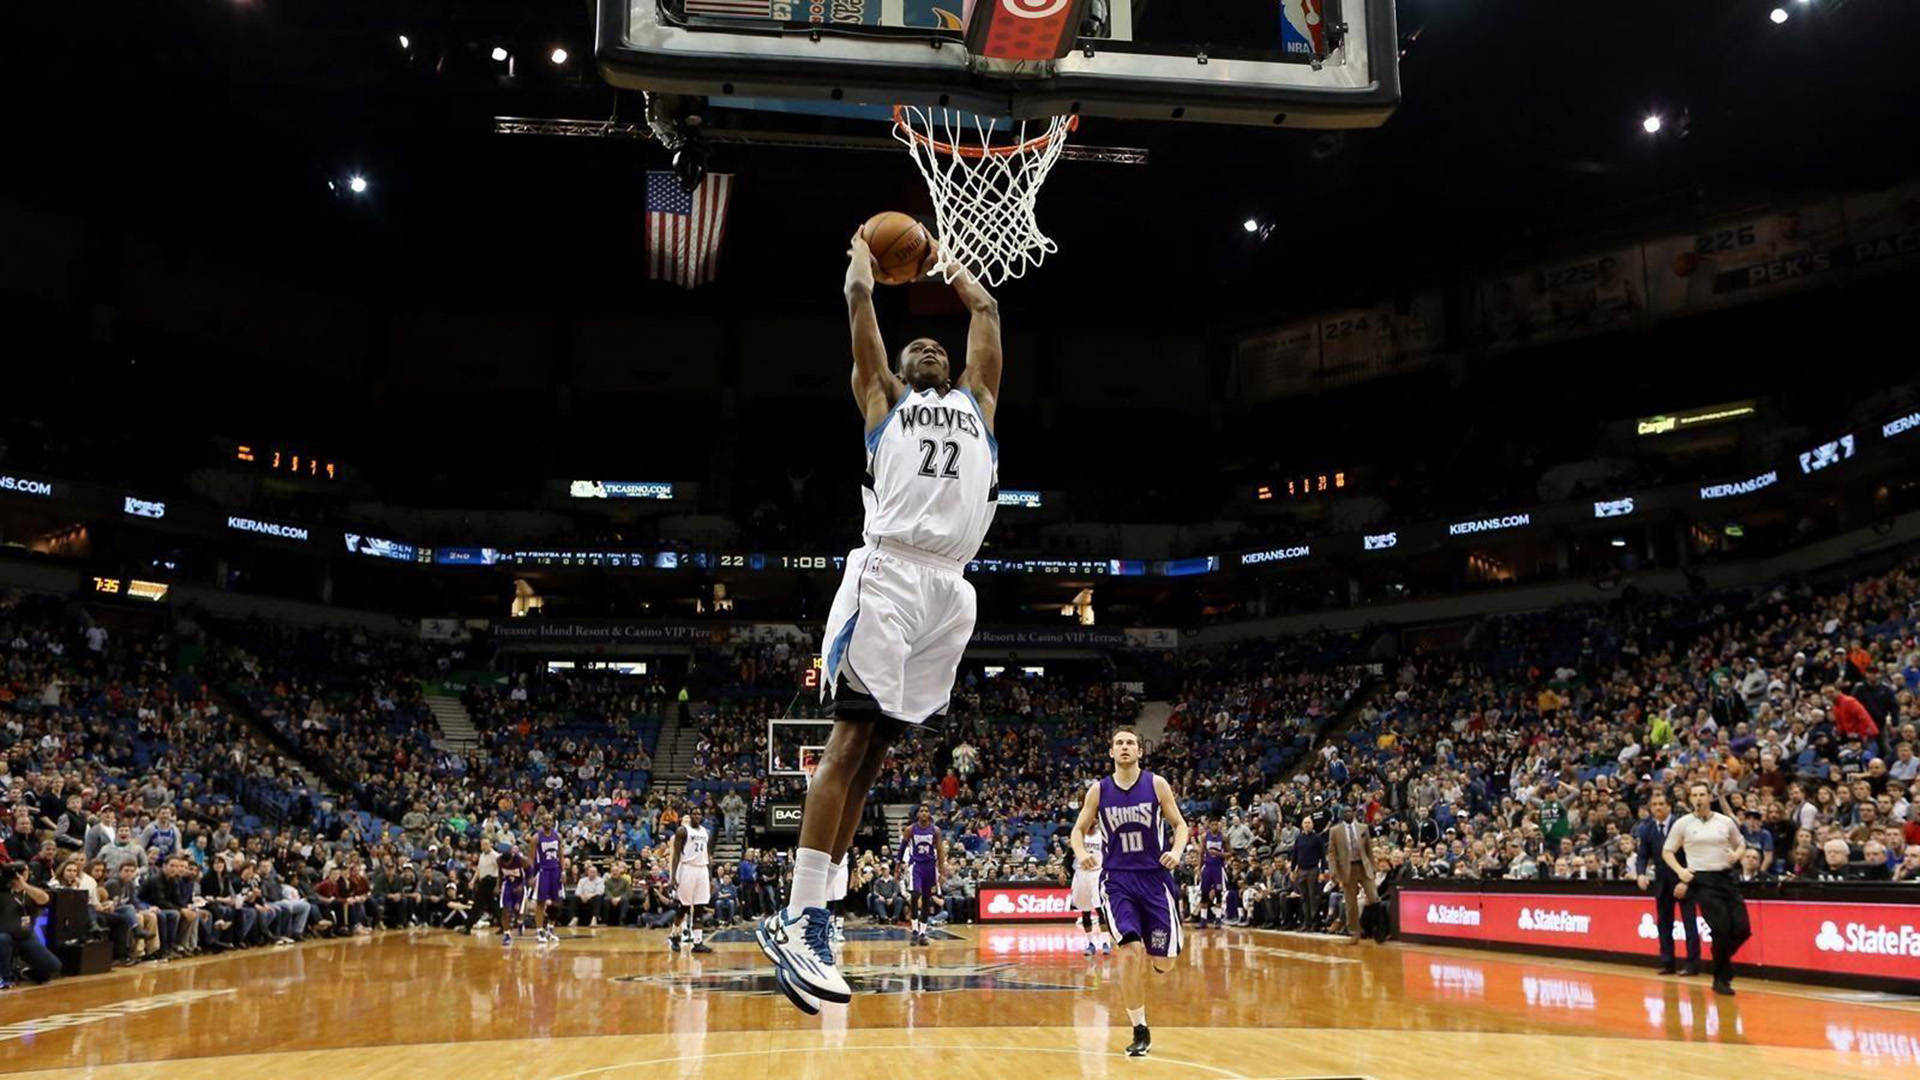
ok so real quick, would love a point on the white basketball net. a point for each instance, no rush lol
(984, 187)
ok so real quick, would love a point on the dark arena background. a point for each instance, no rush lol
(1473, 445)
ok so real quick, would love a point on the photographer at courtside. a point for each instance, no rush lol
(18, 901)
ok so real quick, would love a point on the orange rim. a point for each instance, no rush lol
(900, 121)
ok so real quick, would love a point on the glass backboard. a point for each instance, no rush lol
(1291, 63)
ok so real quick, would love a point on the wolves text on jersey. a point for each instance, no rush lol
(914, 417)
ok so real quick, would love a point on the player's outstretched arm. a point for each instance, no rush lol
(1089, 816)
(982, 377)
(1170, 807)
(875, 387)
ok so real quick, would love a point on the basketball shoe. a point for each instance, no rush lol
(799, 945)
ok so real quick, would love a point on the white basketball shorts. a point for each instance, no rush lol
(693, 886)
(897, 630)
(1086, 890)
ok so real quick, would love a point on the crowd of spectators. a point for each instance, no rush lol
(218, 786)
(1533, 754)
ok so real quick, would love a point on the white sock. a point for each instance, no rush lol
(810, 869)
(837, 880)
(696, 936)
(1137, 1016)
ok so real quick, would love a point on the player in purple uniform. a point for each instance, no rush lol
(513, 890)
(1132, 808)
(926, 857)
(549, 868)
(1213, 875)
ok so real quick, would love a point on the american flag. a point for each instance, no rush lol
(684, 230)
(732, 9)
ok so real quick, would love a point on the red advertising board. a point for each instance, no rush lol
(1881, 940)
(1023, 902)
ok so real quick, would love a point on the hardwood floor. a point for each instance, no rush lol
(990, 1003)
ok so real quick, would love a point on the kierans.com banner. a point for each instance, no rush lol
(1879, 940)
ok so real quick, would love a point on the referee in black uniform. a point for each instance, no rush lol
(1713, 845)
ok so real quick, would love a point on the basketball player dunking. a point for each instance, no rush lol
(1133, 808)
(926, 858)
(1213, 875)
(693, 888)
(904, 613)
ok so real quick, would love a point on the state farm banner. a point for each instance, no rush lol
(1740, 260)
(1878, 940)
(1564, 299)
(1025, 901)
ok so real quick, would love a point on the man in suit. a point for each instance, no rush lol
(1650, 837)
(1349, 848)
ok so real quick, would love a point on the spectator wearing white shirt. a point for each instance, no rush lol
(590, 894)
(1905, 766)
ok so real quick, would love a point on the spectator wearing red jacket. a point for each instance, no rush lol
(1850, 718)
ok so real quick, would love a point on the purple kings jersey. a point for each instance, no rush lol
(923, 845)
(511, 866)
(546, 851)
(1130, 825)
(1214, 854)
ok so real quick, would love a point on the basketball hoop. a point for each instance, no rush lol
(984, 187)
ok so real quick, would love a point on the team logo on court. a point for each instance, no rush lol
(1034, 9)
(865, 979)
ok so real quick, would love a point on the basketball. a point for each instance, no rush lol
(899, 245)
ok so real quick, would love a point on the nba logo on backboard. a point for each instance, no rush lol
(1302, 30)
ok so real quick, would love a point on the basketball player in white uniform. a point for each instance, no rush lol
(693, 888)
(904, 612)
(1086, 896)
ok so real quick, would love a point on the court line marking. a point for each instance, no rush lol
(1103, 1055)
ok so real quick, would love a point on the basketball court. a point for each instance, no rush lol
(987, 1003)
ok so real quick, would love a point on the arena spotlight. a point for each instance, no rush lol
(357, 185)
(1651, 125)
(500, 53)
(404, 43)
(1251, 225)
(1778, 16)
(1617, 542)
(559, 56)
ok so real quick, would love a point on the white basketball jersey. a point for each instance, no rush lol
(693, 850)
(933, 475)
(1096, 842)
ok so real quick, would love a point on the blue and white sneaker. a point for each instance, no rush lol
(799, 946)
(802, 1000)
